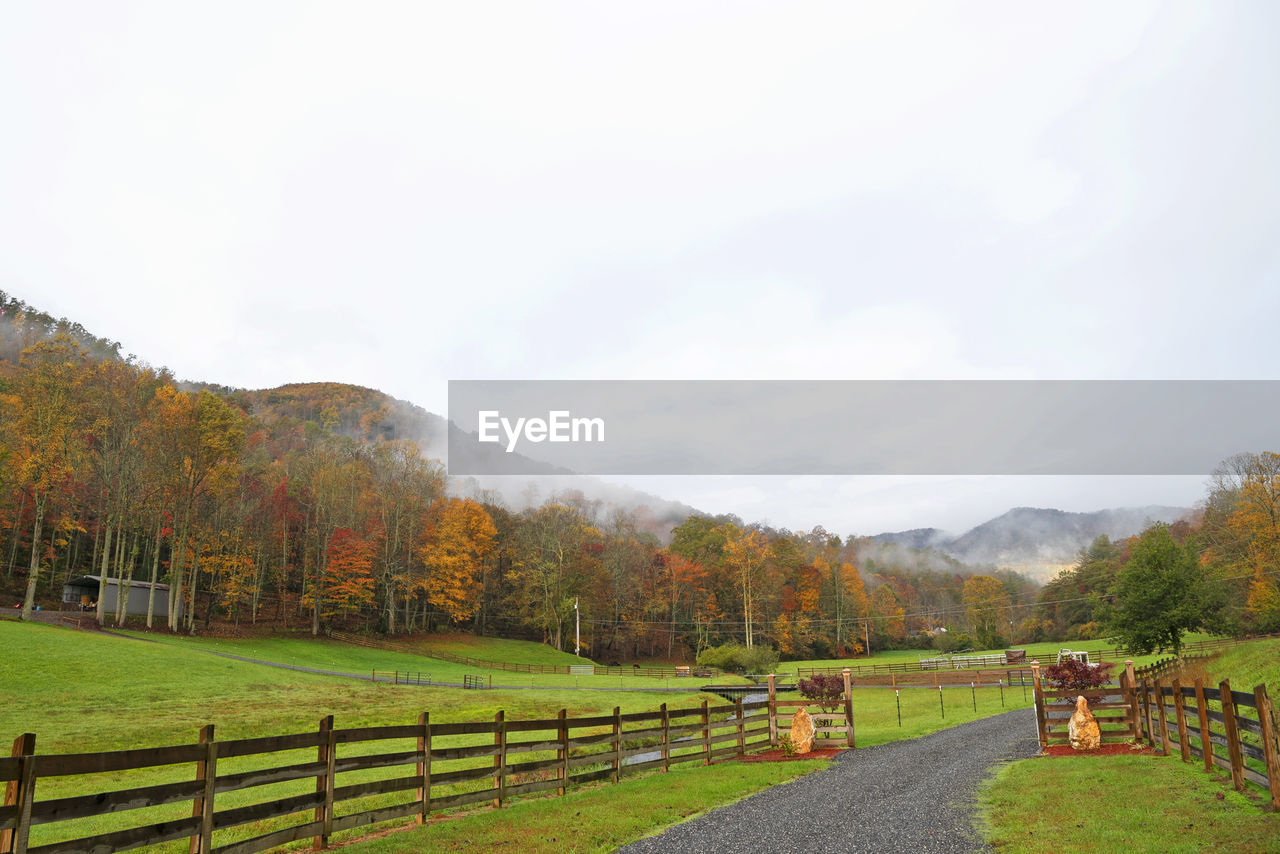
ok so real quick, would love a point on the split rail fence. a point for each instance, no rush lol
(252, 794)
(1231, 730)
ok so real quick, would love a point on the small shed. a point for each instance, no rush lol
(83, 590)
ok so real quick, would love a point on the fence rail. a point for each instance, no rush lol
(356, 777)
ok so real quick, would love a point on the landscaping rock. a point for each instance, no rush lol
(802, 732)
(1083, 728)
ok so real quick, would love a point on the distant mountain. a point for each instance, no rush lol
(916, 538)
(1035, 541)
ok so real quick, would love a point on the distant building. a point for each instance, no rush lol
(83, 591)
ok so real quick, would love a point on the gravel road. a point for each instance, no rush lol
(908, 796)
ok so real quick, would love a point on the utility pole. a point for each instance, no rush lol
(867, 628)
(577, 629)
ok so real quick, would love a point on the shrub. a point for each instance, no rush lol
(1076, 675)
(950, 642)
(826, 691)
(735, 658)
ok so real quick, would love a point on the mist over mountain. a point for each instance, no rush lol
(1032, 540)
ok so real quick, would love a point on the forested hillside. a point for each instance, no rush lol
(1217, 570)
(307, 506)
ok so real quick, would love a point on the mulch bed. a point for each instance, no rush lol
(1121, 749)
(779, 756)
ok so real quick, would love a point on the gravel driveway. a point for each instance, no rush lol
(908, 796)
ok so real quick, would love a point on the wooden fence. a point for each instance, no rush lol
(986, 678)
(1113, 705)
(340, 779)
(1196, 719)
(1166, 713)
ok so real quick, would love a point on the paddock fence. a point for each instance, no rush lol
(245, 795)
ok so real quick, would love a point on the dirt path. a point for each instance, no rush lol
(911, 796)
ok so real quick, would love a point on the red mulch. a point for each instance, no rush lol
(1121, 749)
(779, 756)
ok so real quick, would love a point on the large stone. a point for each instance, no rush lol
(802, 732)
(1083, 728)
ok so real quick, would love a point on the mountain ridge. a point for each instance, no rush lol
(1035, 540)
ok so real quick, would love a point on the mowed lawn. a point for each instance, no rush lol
(1122, 804)
(83, 692)
(302, 650)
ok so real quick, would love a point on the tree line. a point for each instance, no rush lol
(109, 467)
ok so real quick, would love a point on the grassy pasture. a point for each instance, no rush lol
(82, 692)
(1121, 804)
(323, 654)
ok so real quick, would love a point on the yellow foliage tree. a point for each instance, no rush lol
(458, 541)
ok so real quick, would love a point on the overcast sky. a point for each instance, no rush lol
(396, 195)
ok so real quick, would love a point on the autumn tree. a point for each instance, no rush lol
(987, 607)
(46, 418)
(349, 570)
(745, 552)
(458, 541)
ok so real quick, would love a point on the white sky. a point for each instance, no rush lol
(395, 195)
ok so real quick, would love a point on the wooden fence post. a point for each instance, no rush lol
(1164, 723)
(202, 805)
(1129, 681)
(1206, 746)
(706, 734)
(562, 734)
(1038, 693)
(848, 708)
(424, 766)
(773, 710)
(616, 762)
(742, 736)
(15, 793)
(1146, 712)
(500, 759)
(1269, 747)
(1179, 710)
(1233, 735)
(666, 739)
(324, 783)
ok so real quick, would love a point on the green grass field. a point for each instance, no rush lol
(1121, 804)
(592, 819)
(302, 650)
(83, 692)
